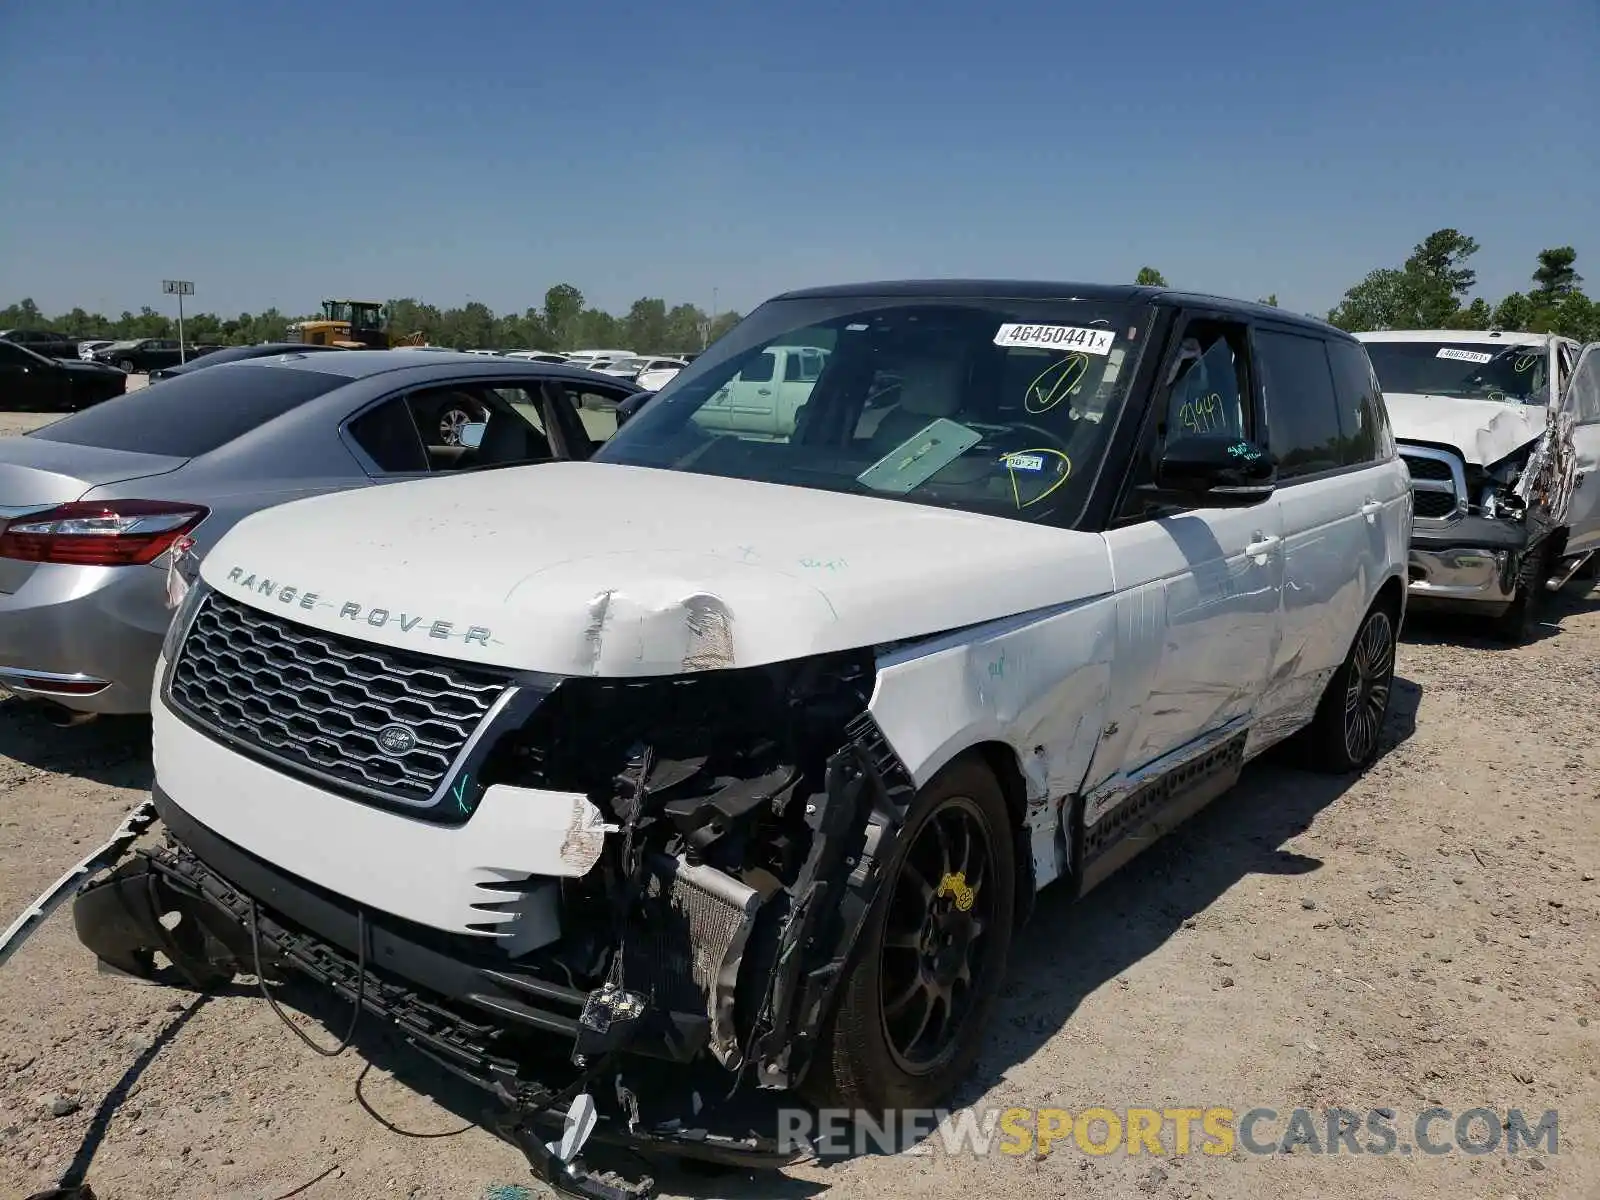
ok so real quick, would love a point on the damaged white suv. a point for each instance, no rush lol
(1501, 432)
(734, 758)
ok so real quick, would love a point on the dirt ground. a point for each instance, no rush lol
(1425, 935)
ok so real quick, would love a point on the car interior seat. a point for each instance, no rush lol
(930, 388)
(509, 439)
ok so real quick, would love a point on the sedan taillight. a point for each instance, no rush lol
(100, 533)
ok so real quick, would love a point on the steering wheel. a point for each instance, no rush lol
(1053, 441)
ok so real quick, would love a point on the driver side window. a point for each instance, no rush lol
(1205, 388)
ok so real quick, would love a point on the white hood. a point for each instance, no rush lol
(1484, 431)
(599, 569)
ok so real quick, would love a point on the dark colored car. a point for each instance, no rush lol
(234, 353)
(31, 382)
(147, 354)
(42, 341)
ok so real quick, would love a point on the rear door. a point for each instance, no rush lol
(1582, 400)
(1340, 507)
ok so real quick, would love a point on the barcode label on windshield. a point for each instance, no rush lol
(1056, 337)
(1472, 356)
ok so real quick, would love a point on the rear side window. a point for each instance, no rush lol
(193, 414)
(1303, 431)
(1362, 419)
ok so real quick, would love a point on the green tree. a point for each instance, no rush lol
(1555, 276)
(1150, 277)
(1385, 299)
(1514, 312)
(1440, 259)
(1271, 301)
(594, 329)
(563, 305)
(645, 326)
(1476, 315)
(685, 323)
(721, 325)
(1426, 292)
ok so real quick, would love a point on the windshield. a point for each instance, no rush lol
(992, 406)
(630, 364)
(1462, 370)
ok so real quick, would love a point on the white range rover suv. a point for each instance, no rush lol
(727, 757)
(1501, 432)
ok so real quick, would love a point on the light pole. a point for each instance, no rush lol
(705, 336)
(179, 288)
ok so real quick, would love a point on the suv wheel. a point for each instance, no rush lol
(1517, 623)
(126, 366)
(1346, 731)
(912, 1014)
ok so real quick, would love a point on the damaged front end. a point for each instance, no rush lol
(714, 894)
(1485, 536)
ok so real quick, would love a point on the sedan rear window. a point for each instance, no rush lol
(193, 414)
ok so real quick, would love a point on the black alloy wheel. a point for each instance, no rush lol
(1367, 687)
(939, 916)
(912, 1010)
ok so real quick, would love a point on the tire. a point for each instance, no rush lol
(126, 366)
(1345, 734)
(922, 959)
(1517, 623)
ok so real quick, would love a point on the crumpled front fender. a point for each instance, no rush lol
(120, 919)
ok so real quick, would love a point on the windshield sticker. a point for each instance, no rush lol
(1471, 356)
(1031, 484)
(1056, 337)
(919, 458)
(1055, 383)
(1024, 462)
(1525, 363)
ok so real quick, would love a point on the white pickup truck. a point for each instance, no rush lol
(1501, 432)
(763, 399)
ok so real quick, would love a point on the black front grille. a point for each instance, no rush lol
(1427, 468)
(1433, 504)
(317, 702)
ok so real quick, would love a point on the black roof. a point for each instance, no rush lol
(1034, 289)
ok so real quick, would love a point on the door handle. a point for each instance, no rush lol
(1370, 510)
(1262, 546)
(763, 391)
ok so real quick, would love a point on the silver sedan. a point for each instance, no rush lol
(95, 507)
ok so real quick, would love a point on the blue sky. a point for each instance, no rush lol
(279, 153)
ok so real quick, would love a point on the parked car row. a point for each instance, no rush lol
(32, 382)
(128, 355)
(900, 603)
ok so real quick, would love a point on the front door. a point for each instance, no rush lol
(1199, 591)
(1582, 399)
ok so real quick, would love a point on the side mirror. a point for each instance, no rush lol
(630, 406)
(472, 434)
(1211, 470)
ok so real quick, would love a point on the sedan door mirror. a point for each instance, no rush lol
(472, 434)
(630, 406)
(1214, 470)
